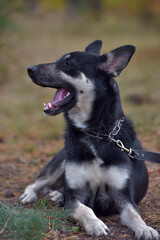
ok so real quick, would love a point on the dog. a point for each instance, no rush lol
(91, 176)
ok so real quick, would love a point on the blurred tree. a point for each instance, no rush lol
(91, 7)
(51, 5)
(31, 4)
(145, 8)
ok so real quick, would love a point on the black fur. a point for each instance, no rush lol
(83, 150)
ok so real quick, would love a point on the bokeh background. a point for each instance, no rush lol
(39, 31)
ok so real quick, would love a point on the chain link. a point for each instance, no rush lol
(111, 138)
(115, 130)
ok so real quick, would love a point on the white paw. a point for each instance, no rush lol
(28, 196)
(147, 233)
(56, 196)
(96, 227)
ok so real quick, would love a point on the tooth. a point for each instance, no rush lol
(49, 105)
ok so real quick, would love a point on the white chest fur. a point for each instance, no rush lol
(78, 175)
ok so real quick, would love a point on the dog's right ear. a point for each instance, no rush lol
(94, 47)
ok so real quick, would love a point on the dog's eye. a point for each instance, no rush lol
(69, 64)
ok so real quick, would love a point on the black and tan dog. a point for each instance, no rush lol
(91, 175)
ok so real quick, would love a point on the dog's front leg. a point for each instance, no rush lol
(87, 219)
(131, 218)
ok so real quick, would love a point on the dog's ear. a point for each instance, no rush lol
(94, 47)
(113, 62)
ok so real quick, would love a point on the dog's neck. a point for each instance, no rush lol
(101, 117)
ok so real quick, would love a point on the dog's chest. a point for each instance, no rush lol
(78, 175)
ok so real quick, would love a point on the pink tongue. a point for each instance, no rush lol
(59, 96)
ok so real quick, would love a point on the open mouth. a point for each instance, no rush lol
(60, 101)
(64, 98)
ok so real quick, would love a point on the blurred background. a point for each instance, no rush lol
(39, 31)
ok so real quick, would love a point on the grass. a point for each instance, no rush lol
(29, 148)
(17, 222)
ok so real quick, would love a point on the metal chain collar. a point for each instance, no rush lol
(111, 138)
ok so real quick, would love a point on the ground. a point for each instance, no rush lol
(18, 169)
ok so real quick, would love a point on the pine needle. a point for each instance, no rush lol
(33, 223)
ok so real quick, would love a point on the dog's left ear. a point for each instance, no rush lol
(94, 47)
(115, 61)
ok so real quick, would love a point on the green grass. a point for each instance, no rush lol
(17, 222)
(28, 148)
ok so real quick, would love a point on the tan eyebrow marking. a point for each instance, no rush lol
(67, 57)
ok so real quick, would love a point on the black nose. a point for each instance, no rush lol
(32, 69)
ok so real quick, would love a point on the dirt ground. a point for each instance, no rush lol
(18, 168)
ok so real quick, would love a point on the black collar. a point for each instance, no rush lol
(103, 135)
(132, 153)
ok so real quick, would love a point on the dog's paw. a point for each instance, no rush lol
(56, 196)
(29, 196)
(96, 228)
(147, 233)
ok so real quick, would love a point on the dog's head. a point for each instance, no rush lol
(79, 76)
